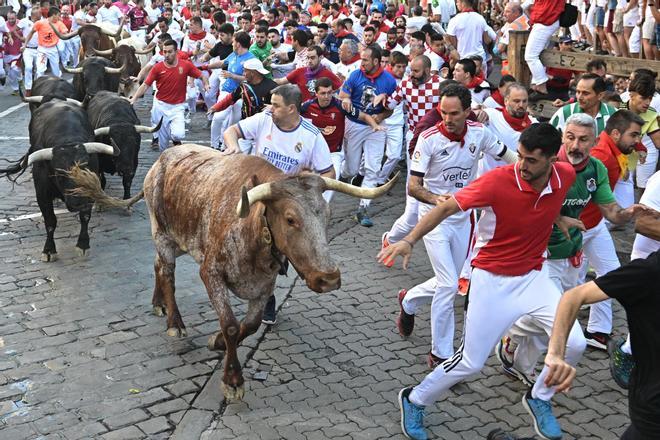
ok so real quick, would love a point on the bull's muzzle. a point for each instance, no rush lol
(322, 282)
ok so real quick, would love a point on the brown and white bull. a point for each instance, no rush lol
(240, 219)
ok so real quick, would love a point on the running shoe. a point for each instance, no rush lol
(362, 217)
(545, 423)
(621, 363)
(597, 339)
(405, 322)
(505, 352)
(412, 416)
(269, 316)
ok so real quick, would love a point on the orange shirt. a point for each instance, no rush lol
(45, 35)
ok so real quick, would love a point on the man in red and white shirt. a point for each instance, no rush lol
(444, 161)
(419, 93)
(519, 203)
(171, 77)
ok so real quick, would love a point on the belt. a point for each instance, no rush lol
(28, 47)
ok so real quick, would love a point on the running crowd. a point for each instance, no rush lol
(512, 211)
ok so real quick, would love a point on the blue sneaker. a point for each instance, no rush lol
(545, 423)
(412, 417)
(362, 217)
(621, 363)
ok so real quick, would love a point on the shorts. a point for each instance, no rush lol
(617, 26)
(648, 28)
(600, 16)
(631, 18)
(657, 35)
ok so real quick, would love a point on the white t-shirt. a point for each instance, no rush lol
(290, 151)
(448, 166)
(189, 46)
(468, 28)
(446, 9)
(26, 25)
(397, 117)
(417, 22)
(480, 96)
(346, 69)
(436, 60)
(643, 246)
(503, 131)
(110, 15)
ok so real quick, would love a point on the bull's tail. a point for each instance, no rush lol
(15, 169)
(88, 185)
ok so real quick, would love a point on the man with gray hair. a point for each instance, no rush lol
(520, 349)
(349, 59)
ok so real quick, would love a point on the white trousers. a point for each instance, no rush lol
(222, 120)
(174, 125)
(215, 81)
(624, 192)
(600, 253)
(208, 99)
(337, 158)
(644, 171)
(30, 57)
(408, 220)
(72, 51)
(447, 248)
(539, 37)
(48, 55)
(361, 139)
(12, 70)
(393, 151)
(495, 303)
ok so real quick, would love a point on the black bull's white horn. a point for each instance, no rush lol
(103, 53)
(90, 147)
(39, 99)
(115, 69)
(264, 191)
(73, 69)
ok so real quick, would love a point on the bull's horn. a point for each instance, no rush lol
(98, 147)
(73, 70)
(363, 193)
(259, 192)
(39, 155)
(74, 101)
(116, 34)
(102, 131)
(145, 129)
(115, 69)
(145, 51)
(61, 36)
(103, 53)
(33, 99)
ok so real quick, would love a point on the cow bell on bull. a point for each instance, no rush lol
(238, 217)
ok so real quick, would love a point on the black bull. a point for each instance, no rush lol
(93, 75)
(114, 120)
(60, 137)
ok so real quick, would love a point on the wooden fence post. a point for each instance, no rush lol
(516, 56)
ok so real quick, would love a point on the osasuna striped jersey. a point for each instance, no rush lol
(559, 118)
(448, 166)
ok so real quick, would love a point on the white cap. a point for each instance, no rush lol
(255, 64)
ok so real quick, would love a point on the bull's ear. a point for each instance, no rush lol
(115, 148)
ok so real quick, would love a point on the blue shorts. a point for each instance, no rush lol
(657, 35)
(611, 5)
(600, 16)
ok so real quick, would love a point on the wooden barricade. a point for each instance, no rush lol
(617, 66)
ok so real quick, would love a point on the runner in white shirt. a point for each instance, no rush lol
(467, 31)
(30, 52)
(444, 161)
(109, 13)
(283, 137)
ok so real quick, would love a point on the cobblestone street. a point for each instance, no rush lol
(82, 355)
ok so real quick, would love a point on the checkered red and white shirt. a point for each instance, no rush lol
(419, 100)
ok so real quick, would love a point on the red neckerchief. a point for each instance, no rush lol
(563, 157)
(388, 69)
(451, 136)
(67, 22)
(474, 82)
(197, 37)
(341, 34)
(497, 96)
(352, 60)
(518, 124)
(390, 48)
(468, 10)
(372, 76)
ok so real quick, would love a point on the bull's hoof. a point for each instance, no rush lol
(49, 258)
(177, 332)
(231, 392)
(216, 342)
(159, 310)
(82, 252)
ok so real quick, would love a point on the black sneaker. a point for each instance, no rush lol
(597, 340)
(405, 322)
(269, 316)
(154, 144)
(175, 143)
(357, 180)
